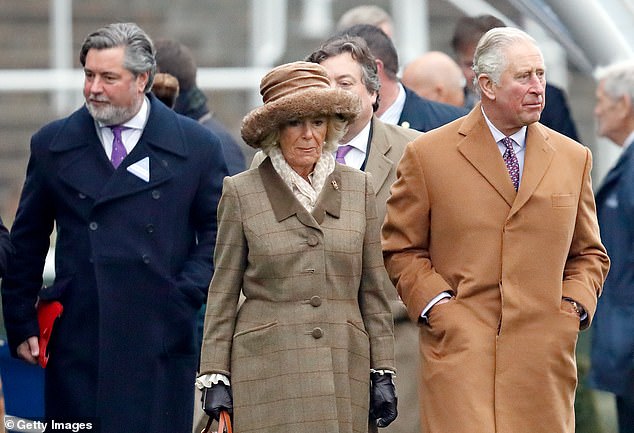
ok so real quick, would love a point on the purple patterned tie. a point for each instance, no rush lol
(511, 161)
(342, 151)
(118, 149)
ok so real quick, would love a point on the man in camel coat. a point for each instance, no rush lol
(496, 253)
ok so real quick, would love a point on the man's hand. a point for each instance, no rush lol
(29, 350)
(571, 307)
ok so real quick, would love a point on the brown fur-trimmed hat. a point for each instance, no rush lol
(294, 91)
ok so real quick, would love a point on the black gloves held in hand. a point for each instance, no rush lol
(216, 399)
(382, 399)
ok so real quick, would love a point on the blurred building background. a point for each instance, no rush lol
(236, 41)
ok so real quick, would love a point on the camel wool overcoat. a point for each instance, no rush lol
(500, 357)
(315, 318)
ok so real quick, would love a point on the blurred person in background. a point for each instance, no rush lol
(367, 14)
(492, 241)
(165, 88)
(467, 33)
(311, 348)
(176, 59)
(437, 77)
(132, 190)
(398, 105)
(612, 367)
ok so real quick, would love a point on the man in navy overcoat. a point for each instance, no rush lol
(613, 335)
(135, 234)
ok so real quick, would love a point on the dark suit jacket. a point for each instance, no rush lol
(5, 248)
(133, 262)
(613, 333)
(233, 153)
(556, 114)
(423, 115)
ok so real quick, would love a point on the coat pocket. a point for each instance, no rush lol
(564, 200)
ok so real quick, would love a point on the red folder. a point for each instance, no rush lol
(47, 313)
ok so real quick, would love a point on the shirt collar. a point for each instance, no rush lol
(519, 137)
(628, 141)
(360, 141)
(393, 114)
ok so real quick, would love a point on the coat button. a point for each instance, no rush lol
(156, 194)
(315, 301)
(146, 259)
(93, 226)
(149, 228)
(312, 241)
(317, 333)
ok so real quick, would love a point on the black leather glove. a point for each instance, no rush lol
(216, 399)
(383, 399)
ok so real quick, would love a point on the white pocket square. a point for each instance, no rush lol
(141, 169)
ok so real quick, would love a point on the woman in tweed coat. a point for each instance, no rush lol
(311, 347)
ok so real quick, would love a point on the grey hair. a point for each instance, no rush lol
(360, 52)
(490, 54)
(139, 49)
(617, 78)
(337, 128)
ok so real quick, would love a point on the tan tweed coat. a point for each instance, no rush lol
(500, 358)
(315, 318)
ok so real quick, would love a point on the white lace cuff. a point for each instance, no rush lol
(207, 380)
(382, 372)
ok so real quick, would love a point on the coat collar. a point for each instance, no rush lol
(85, 167)
(79, 130)
(480, 149)
(285, 204)
(615, 172)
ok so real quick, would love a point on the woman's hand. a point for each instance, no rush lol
(216, 399)
(383, 399)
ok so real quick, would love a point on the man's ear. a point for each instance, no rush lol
(142, 80)
(487, 86)
(627, 105)
(379, 66)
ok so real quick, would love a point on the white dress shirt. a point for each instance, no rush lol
(130, 136)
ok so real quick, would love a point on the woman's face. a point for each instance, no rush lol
(301, 142)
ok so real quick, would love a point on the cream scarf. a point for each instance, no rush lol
(306, 192)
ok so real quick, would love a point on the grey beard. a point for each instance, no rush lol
(111, 115)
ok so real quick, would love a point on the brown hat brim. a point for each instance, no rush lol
(264, 120)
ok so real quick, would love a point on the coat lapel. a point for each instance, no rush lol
(615, 172)
(479, 148)
(123, 182)
(285, 204)
(329, 200)
(378, 163)
(85, 167)
(538, 156)
(282, 200)
(83, 163)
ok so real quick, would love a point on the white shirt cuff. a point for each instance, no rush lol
(433, 302)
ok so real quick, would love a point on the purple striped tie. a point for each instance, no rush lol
(510, 159)
(342, 151)
(118, 149)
